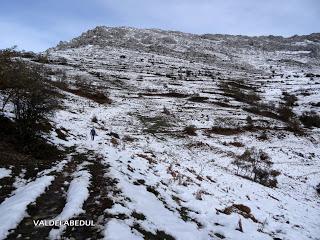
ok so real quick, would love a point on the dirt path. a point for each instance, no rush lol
(47, 206)
(99, 200)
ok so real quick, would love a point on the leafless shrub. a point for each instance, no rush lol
(94, 119)
(249, 122)
(155, 124)
(166, 111)
(262, 225)
(85, 90)
(25, 86)
(310, 119)
(239, 228)
(224, 130)
(190, 130)
(114, 142)
(263, 136)
(286, 114)
(240, 91)
(289, 99)
(199, 194)
(318, 188)
(197, 98)
(127, 138)
(42, 58)
(256, 165)
(237, 144)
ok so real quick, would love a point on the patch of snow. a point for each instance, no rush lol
(77, 194)
(13, 209)
(5, 172)
(117, 230)
(20, 181)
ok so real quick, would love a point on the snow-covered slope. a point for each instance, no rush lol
(145, 176)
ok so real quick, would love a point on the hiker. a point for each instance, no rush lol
(93, 133)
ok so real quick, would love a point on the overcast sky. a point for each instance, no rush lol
(39, 24)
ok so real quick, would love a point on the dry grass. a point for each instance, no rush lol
(190, 130)
(127, 138)
(241, 209)
(150, 159)
(237, 144)
(168, 94)
(114, 142)
(224, 131)
(85, 92)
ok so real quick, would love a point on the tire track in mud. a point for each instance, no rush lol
(48, 205)
(101, 188)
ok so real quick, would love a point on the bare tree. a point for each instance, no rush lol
(26, 88)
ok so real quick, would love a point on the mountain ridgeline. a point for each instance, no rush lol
(207, 48)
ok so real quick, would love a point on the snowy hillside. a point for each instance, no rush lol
(175, 115)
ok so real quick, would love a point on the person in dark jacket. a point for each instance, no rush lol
(93, 133)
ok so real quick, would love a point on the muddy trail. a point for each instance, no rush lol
(101, 189)
(51, 203)
(47, 206)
